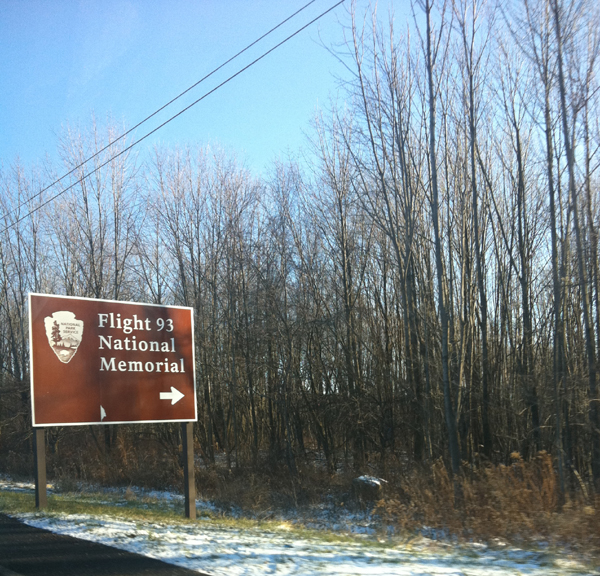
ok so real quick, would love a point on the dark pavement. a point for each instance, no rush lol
(29, 551)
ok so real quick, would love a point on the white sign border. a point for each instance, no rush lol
(50, 425)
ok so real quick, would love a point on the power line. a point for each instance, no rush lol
(111, 143)
(172, 117)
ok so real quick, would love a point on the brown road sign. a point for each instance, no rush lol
(109, 362)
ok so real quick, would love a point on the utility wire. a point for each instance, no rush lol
(214, 71)
(173, 117)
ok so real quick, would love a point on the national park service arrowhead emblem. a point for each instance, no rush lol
(64, 334)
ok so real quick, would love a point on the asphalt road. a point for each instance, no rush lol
(28, 551)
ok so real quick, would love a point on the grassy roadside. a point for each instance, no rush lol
(129, 507)
(146, 510)
(92, 504)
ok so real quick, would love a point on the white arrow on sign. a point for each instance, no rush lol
(174, 395)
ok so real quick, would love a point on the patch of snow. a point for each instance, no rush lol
(208, 546)
(371, 480)
(14, 486)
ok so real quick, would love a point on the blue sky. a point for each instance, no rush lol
(66, 60)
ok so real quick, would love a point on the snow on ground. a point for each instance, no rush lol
(208, 546)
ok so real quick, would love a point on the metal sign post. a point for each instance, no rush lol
(39, 452)
(189, 477)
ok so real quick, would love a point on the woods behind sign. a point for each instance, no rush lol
(106, 362)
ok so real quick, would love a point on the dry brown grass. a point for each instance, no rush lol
(263, 489)
(518, 502)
